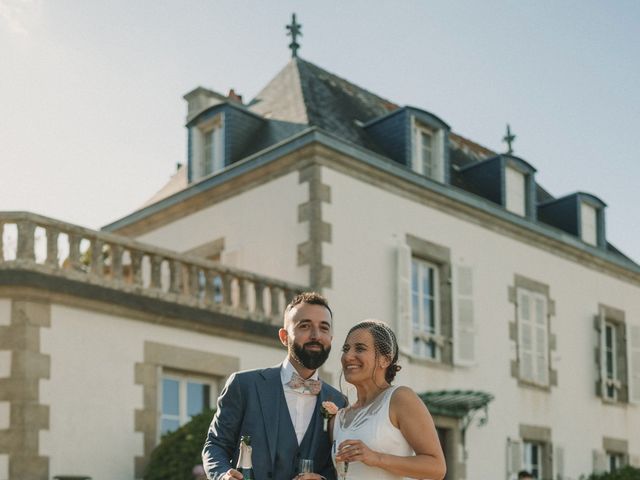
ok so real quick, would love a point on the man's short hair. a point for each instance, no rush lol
(312, 298)
(523, 474)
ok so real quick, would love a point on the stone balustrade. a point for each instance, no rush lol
(34, 242)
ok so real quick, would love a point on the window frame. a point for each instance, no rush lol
(183, 380)
(533, 298)
(437, 159)
(434, 339)
(619, 383)
(589, 223)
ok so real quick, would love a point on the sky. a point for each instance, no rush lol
(92, 115)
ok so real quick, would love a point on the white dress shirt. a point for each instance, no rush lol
(301, 405)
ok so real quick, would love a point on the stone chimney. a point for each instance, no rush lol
(234, 97)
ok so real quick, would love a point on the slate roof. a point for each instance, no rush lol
(304, 93)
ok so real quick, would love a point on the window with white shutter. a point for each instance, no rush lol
(615, 359)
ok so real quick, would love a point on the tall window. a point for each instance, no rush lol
(532, 458)
(182, 398)
(612, 382)
(617, 372)
(515, 188)
(588, 224)
(533, 333)
(425, 315)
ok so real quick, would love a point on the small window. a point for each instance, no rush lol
(182, 398)
(613, 382)
(515, 191)
(425, 314)
(428, 153)
(588, 224)
(212, 152)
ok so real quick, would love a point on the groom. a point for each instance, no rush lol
(279, 407)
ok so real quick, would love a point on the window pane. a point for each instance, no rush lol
(588, 217)
(169, 425)
(170, 397)
(197, 398)
(415, 311)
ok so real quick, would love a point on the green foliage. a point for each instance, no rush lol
(179, 451)
(626, 473)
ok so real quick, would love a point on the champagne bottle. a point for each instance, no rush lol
(245, 465)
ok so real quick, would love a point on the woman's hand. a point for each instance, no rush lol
(357, 451)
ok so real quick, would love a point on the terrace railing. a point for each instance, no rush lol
(37, 243)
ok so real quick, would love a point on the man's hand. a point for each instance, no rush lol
(231, 474)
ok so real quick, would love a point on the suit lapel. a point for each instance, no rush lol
(317, 419)
(270, 394)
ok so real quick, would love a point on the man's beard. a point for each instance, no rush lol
(309, 359)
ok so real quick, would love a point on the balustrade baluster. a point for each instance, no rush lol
(116, 261)
(226, 288)
(1, 241)
(97, 257)
(136, 266)
(275, 302)
(156, 261)
(25, 250)
(175, 276)
(194, 282)
(243, 303)
(74, 251)
(259, 289)
(53, 259)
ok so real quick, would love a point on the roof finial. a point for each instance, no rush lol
(508, 139)
(295, 29)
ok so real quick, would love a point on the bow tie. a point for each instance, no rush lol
(309, 386)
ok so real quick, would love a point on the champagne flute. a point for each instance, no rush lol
(305, 465)
(341, 467)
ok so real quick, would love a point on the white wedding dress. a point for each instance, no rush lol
(371, 424)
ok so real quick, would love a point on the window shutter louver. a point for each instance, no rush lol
(558, 462)
(514, 458)
(542, 350)
(403, 300)
(525, 335)
(463, 316)
(634, 363)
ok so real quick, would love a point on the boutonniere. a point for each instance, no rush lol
(327, 410)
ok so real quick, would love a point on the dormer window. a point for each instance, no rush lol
(588, 224)
(515, 191)
(208, 147)
(580, 214)
(428, 152)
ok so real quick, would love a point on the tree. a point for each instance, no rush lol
(179, 451)
(625, 473)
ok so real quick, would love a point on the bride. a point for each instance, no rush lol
(388, 433)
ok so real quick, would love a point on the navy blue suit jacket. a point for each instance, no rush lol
(250, 404)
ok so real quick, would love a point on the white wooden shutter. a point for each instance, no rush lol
(600, 462)
(602, 357)
(558, 462)
(514, 458)
(403, 298)
(464, 352)
(525, 335)
(541, 339)
(634, 363)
